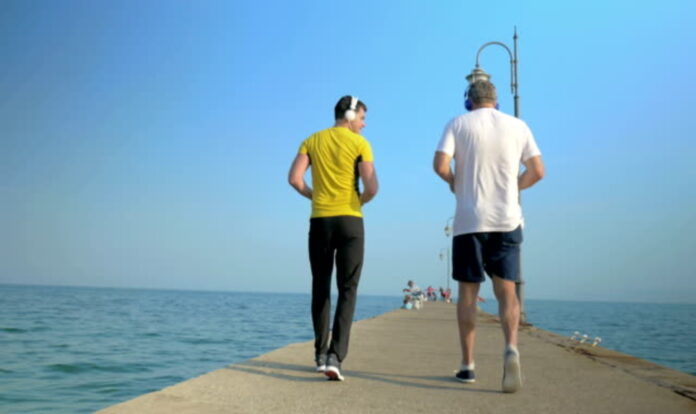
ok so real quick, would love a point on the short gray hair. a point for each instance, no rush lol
(482, 92)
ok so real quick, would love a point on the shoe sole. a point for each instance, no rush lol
(333, 374)
(512, 378)
(321, 368)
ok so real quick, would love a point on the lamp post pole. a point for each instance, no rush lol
(479, 74)
(447, 258)
(449, 230)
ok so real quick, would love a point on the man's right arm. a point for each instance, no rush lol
(368, 175)
(296, 175)
(442, 166)
(533, 172)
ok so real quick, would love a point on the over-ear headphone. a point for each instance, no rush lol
(467, 102)
(350, 114)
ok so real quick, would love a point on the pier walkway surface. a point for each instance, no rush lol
(404, 362)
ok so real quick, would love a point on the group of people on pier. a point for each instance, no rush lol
(414, 296)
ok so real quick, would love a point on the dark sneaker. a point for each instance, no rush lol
(466, 375)
(321, 363)
(333, 368)
(512, 374)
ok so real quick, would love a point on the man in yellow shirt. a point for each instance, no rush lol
(339, 158)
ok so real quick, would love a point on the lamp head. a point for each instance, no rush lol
(477, 74)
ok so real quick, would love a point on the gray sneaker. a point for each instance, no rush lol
(321, 362)
(333, 368)
(512, 374)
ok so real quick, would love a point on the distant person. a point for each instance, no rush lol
(413, 296)
(488, 147)
(430, 292)
(412, 289)
(338, 157)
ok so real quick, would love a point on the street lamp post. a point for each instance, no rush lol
(449, 226)
(479, 74)
(449, 229)
(445, 255)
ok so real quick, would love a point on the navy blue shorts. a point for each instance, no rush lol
(495, 253)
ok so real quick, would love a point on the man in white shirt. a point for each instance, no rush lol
(413, 288)
(488, 147)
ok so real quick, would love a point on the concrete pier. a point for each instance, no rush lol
(404, 362)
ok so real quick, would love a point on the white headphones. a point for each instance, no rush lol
(350, 114)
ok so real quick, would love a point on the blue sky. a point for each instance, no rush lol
(147, 143)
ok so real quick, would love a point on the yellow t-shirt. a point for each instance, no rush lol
(334, 154)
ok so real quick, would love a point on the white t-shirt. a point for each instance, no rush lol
(414, 290)
(488, 147)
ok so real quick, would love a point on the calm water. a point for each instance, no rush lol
(662, 333)
(73, 350)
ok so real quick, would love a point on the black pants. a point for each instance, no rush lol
(342, 238)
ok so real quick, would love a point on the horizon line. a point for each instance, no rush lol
(397, 295)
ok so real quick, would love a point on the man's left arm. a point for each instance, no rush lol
(368, 175)
(296, 175)
(443, 168)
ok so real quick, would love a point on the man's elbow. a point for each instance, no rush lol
(539, 172)
(294, 182)
(442, 164)
(371, 189)
(441, 171)
(440, 168)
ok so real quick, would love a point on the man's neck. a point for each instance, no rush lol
(344, 124)
(483, 105)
